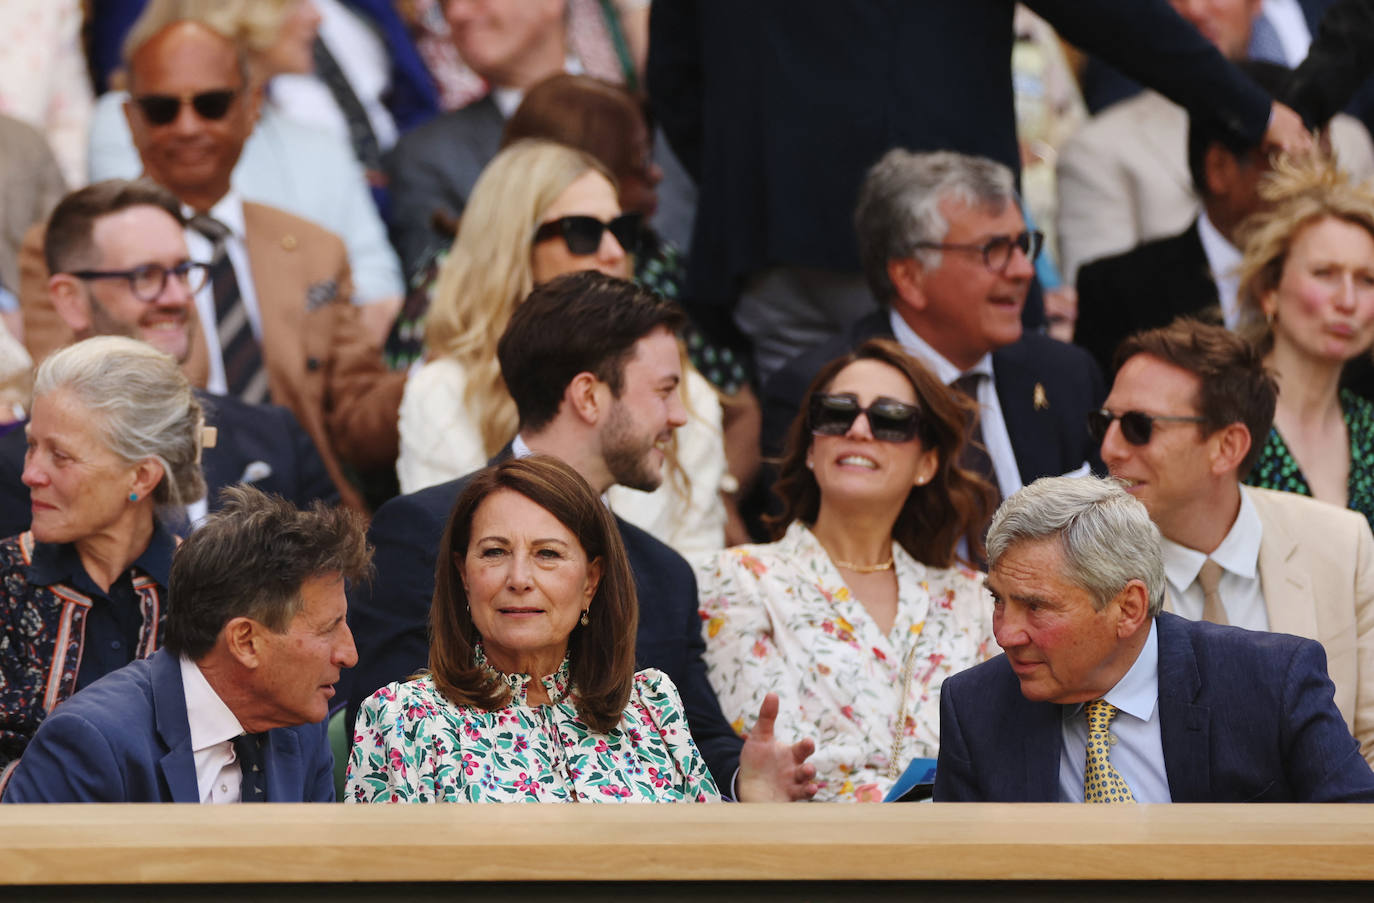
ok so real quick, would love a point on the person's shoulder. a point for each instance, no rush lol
(984, 681)
(1040, 353)
(643, 544)
(113, 700)
(415, 696)
(1284, 508)
(655, 688)
(1225, 645)
(428, 504)
(450, 130)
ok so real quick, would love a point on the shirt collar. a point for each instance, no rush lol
(518, 448)
(556, 684)
(60, 562)
(944, 371)
(1223, 259)
(210, 720)
(228, 210)
(1238, 553)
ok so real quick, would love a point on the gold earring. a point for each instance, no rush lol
(583, 621)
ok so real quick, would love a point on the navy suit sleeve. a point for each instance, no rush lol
(675, 79)
(1340, 58)
(954, 780)
(69, 760)
(1149, 41)
(312, 478)
(1322, 759)
(389, 616)
(319, 764)
(719, 744)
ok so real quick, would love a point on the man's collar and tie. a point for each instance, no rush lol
(1234, 564)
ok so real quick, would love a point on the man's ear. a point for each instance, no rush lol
(73, 305)
(242, 638)
(1230, 445)
(908, 278)
(586, 397)
(1133, 602)
(1219, 169)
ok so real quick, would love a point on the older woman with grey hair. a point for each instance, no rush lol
(115, 435)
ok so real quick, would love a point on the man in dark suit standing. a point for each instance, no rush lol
(119, 266)
(945, 250)
(1102, 697)
(592, 363)
(232, 708)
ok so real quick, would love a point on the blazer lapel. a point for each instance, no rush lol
(1285, 583)
(1184, 727)
(1043, 735)
(178, 765)
(1026, 426)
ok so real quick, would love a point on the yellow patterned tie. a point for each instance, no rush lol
(1101, 782)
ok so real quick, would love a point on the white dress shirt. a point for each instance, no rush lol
(1223, 259)
(1137, 750)
(1241, 594)
(213, 729)
(1291, 26)
(995, 435)
(229, 211)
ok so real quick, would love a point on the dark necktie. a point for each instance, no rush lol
(360, 133)
(248, 748)
(975, 456)
(244, 375)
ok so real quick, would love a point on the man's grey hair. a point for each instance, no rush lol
(1106, 535)
(899, 206)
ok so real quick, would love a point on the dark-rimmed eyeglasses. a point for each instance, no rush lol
(997, 250)
(582, 234)
(161, 109)
(889, 420)
(150, 280)
(1137, 427)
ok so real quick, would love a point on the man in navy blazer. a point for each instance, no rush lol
(1100, 696)
(946, 252)
(592, 364)
(232, 708)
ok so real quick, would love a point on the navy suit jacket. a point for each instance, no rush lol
(1143, 288)
(1244, 716)
(125, 739)
(390, 617)
(261, 444)
(1047, 441)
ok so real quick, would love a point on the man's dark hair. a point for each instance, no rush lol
(67, 242)
(250, 559)
(1210, 128)
(584, 322)
(1233, 384)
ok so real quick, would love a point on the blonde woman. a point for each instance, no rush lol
(1307, 283)
(539, 210)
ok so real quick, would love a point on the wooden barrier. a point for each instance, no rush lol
(191, 846)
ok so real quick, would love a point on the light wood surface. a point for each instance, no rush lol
(304, 843)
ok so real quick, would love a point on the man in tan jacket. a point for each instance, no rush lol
(276, 322)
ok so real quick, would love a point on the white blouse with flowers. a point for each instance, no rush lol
(779, 618)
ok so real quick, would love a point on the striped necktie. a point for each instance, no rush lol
(245, 376)
(1102, 783)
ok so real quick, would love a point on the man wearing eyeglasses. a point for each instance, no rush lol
(120, 267)
(276, 318)
(1179, 428)
(946, 251)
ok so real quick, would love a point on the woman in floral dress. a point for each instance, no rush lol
(859, 610)
(531, 694)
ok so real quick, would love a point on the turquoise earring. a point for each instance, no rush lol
(133, 496)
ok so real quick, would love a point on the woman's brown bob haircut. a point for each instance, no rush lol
(601, 655)
(955, 504)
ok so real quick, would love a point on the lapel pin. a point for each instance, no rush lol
(1038, 398)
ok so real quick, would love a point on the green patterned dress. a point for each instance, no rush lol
(413, 745)
(1277, 469)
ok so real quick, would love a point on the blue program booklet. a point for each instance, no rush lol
(916, 783)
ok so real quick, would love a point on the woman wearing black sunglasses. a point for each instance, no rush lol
(539, 210)
(1307, 280)
(859, 609)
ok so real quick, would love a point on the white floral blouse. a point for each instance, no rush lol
(413, 745)
(780, 618)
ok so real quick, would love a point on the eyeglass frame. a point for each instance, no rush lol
(558, 228)
(1030, 241)
(1150, 421)
(913, 414)
(181, 271)
(140, 100)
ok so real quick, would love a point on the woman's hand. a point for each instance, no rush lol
(770, 772)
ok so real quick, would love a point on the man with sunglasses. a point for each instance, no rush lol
(946, 251)
(276, 318)
(1180, 430)
(119, 265)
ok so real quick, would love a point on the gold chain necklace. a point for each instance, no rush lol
(863, 568)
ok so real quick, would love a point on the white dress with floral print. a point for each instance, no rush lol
(413, 745)
(779, 618)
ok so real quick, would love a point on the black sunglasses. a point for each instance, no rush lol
(582, 234)
(160, 109)
(889, 420)
(148, 281)
(1136, 426)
